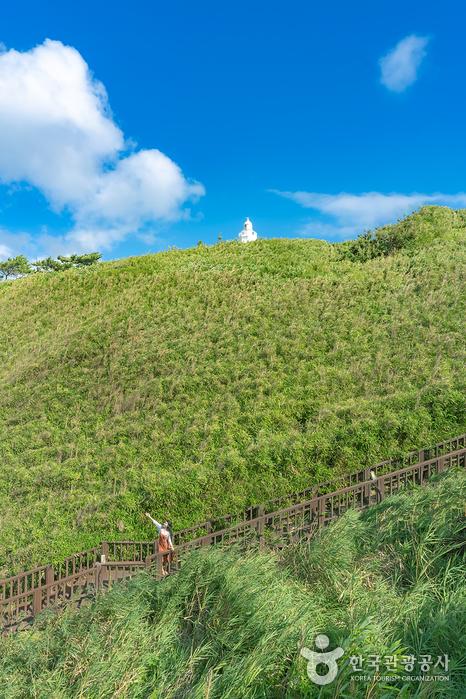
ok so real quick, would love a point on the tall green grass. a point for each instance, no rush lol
(192, 383)
(230, 625)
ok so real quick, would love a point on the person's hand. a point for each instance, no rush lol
(147, 514)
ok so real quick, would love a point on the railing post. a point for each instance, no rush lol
(260, 526)
(37, 601)
(104, 554)
(49, 580)
(313, 510)
(367, 487)
(321, 510)
(441, 464)
(104, 574)
(207, 540)
(419, 476)
(97, 576)
(380, 487)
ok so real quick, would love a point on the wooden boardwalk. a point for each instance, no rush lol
(274, 523)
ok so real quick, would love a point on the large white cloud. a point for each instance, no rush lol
(146, 184)
(353, 213)
(399, 67)
(57, 134)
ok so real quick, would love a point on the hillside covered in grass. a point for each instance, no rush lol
(190, 383)
(386, 582)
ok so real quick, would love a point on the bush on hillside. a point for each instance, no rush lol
(14, 267)
(421, 228)
(19, 266)
(63, 262)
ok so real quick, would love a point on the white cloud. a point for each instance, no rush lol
(325, 231)
(57, 134)
(354, 213)
(5, 252)
(399, 67)
(146, 185)
(12, 244)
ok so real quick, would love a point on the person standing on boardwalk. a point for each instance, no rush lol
(164, 543)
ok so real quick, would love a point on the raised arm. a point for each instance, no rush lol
(154, 521)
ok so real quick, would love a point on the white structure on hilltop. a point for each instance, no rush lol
(247, 235)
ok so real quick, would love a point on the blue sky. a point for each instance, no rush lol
(314, 120)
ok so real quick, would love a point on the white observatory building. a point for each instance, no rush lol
(247, 235)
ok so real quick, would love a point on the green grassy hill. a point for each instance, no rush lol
(387, 582)
(193, 382)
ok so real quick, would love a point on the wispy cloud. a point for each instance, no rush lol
(58, 135)
(399, 67)
(5, 252)
(12, 244)
(351, 214)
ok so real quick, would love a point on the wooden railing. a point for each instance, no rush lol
(301, 520)
(275, 523)
(413, 457)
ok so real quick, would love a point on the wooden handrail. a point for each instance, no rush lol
(25, 594)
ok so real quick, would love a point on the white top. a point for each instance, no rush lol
(248, 234)
(162, 530)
